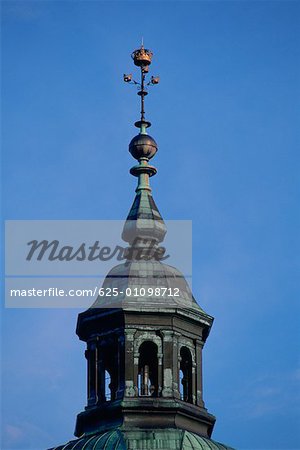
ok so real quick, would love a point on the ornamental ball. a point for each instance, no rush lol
(143, 146)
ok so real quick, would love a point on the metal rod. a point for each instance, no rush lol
(142, 95)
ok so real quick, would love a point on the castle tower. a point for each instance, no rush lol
(144, 353)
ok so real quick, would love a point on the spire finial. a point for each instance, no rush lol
(142, 58)
(144, 219)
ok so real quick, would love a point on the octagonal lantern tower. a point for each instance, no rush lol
(144, 354)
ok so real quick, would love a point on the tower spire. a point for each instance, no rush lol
(143, 219)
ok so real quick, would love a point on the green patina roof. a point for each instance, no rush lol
(144, 218)
(193, 442)
(144, 207)
(111, 440)
(168, 439)
(149, 274)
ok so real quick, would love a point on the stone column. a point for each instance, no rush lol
(136, 358)
(194, 382)
(168, 364)
(199, 394)
(92, 357)
(176, 365)
(130, 386)
(87, 355)
(100, 385)
(120, 367)
(160, 374)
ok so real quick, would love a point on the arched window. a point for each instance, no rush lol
(185, 375)
(109, 372)
(107, 386)
(148, 370)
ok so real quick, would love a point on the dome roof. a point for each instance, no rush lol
(192, 441)
(111, 440)
(133, 277)
(168, 439)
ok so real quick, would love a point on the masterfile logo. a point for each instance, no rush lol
(68, 263)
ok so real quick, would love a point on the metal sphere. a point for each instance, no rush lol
(143, 146)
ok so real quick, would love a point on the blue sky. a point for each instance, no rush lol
(225, 116)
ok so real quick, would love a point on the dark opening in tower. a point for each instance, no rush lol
(185, 375)
(148, 370)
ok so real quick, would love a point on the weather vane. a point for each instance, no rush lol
(142, 58)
